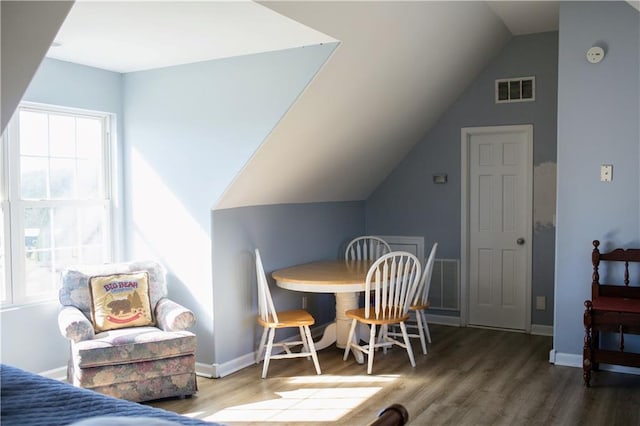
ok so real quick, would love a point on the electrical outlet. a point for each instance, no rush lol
(541, 303)
(606, 173)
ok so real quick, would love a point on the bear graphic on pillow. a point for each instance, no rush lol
(120, 300)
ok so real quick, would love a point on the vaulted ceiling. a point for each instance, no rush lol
(397, 69)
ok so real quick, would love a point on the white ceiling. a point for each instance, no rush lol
(127, 36)
(526, 17)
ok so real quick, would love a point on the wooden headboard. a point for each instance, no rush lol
(625, 287)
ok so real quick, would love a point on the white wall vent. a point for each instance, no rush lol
(444, 292)
(520, 89)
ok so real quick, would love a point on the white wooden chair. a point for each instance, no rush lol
(390, 287)
(421, 303)
(366, 248)
(272, 320)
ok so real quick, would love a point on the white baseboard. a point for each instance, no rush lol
(541, 330)
(575, 360)
(564, 359)
(443, 320)
(59, 373)
(237, 364)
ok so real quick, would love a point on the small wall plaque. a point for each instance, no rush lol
(440, 178)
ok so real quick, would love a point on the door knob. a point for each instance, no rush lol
(520, 241)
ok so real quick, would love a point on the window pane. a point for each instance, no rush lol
(62, 136)
(39, 274)
(65, 227)
(62, 179)
(89, 178)
(37, 230)
(58, 237)
(38, 258)
(89, 138)
(34, 133)
(33, 178)
(92, 222)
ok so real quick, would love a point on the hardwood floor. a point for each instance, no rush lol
(470, 377)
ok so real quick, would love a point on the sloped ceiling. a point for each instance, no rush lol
(398, 68)
(27, 30)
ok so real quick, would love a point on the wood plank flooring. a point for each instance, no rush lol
(470, 377)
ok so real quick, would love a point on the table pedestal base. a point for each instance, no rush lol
(337, 332)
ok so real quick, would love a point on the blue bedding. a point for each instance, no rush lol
(30, 399)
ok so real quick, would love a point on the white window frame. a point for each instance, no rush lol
(13, 205)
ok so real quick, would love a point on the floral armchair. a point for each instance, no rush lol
(152, 361)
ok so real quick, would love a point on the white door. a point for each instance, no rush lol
(499, 202)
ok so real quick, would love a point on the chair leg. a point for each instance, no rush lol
(303, 337)
(352, 332)
(407, 343)
(372, 348)
(426, 327)
(312, 348)
(421, 331)
(423, 314)
(263, 340)
(267, 355)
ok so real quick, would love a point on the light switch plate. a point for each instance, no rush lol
(606, 173)
(541, 303)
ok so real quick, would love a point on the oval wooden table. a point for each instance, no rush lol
(340, 277)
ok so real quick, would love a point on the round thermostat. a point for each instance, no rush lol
(595, 54)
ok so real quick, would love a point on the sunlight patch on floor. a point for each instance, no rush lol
(327, 378)
(301, 405)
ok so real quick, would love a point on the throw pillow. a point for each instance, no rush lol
(120, 301)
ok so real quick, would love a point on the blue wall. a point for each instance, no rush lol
(189, 130)
(184, 132)
(598, 119)
(286, 235)
(408, 203)
(70, 85)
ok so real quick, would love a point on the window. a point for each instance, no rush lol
(56, 198)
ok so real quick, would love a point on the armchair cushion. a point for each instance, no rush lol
(129, 345)
(120, 301)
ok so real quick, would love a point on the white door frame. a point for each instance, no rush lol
(466, 133)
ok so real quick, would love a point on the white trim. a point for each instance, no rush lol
(236, 364)
(465, 135)
(520, 80)
(221, 370)
(575, 360)
(404, 240)
(59, 373)
(541, 330)
(444, 320)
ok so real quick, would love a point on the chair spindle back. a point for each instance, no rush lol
(392, 280)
